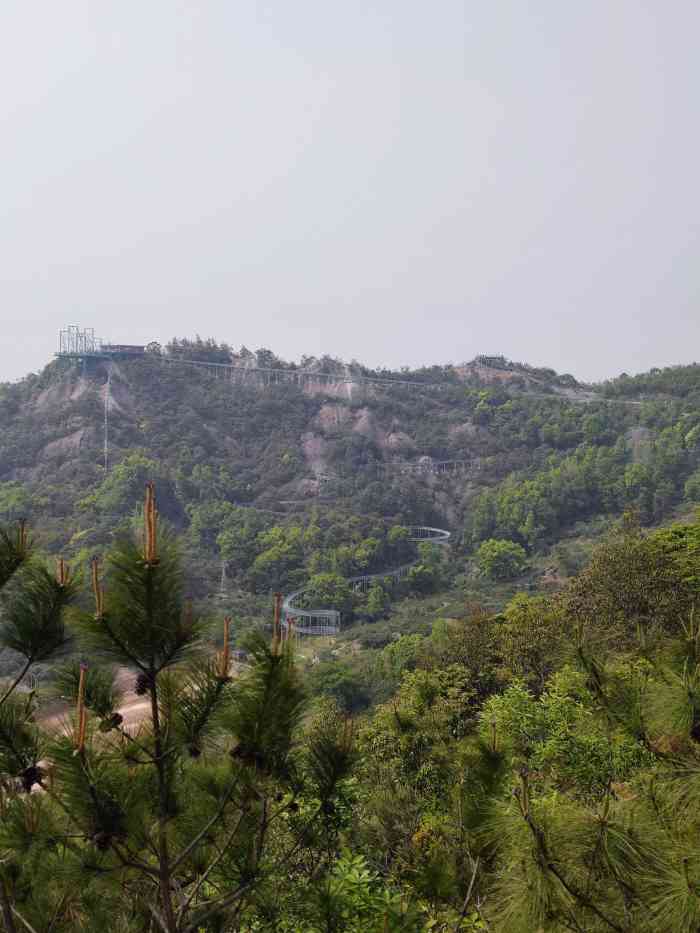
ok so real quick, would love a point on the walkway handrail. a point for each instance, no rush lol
(327, 621)
(274, 374)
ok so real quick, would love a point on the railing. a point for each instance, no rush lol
(426, 466)
(298, 620)
(270, 376)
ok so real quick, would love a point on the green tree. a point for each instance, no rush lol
(530, 639)
(343, 683)
(377, 599)
(422, 578)
(328, 591)
(501, 560)
(185, 822)
(33, 626)
(15, 500)
(119, 490)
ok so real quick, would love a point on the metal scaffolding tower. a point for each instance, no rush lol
(76, 342)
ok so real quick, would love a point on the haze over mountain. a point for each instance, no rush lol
(387, 182)
(379, 610)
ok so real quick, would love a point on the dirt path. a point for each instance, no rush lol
(134, 708)
(56, 714)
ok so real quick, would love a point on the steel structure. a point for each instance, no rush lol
(78, 343)
(299, 620)
(123, 349)
(427, 466)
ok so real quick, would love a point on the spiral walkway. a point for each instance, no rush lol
(303, 621)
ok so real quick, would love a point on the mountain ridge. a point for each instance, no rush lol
(498, 450)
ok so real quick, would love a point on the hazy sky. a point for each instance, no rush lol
(398, 181)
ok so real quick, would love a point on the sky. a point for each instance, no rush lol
(399, 182)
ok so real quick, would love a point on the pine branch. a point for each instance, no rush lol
(22, 920)
(121, 646)
(157, 917)
(205, 829)
(7, 909)
(163, 855)
(548, 863)
(600, 839)
(214, 906)
(227, 900)
(17, 680)
(211, 867)
(130, 738)
(13, 552)
(463, 911)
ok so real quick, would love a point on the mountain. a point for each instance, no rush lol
(503, 734)
(276, 471)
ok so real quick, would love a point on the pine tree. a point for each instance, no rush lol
(181, 824)
(32, 624)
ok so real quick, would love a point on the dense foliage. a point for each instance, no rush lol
(531, 454)
(678, 381)
(505, 740)
(535, 768)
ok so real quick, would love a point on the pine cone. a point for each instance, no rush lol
(143, 683)
(31, 776)
(102, 841)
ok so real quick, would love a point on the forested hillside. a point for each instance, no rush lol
(503, 738)
(275, 483)
(489, 450)
(533, 769)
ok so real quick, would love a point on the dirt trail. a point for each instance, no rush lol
(133, 708)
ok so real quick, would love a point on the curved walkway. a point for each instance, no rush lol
(303, 621)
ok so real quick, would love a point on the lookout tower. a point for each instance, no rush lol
(75, 343)
(79, 344)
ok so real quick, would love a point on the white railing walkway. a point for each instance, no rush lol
(299, 620)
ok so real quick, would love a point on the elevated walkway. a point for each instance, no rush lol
(298, 619)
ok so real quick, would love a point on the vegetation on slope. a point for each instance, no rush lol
(535, 769)
(532, 456)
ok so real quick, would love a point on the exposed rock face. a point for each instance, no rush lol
(332, 416)
(65, 445)
(314, 446)
(345, 390)
(306, 488)
(364, 424)
(67, 391)
(120, 398)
